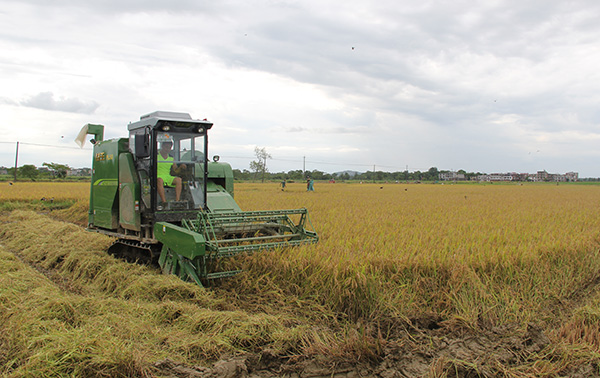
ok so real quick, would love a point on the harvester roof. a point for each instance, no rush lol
(159, 118)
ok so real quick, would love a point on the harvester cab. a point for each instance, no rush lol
(162, 199)
(168, 150)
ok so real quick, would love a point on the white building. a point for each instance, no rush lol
(451, 176)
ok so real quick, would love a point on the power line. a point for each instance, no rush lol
(48, 145)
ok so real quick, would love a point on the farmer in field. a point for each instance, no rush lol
(163, 174)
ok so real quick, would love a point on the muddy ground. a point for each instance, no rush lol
(438, 350)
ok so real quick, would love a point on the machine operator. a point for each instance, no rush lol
(163, 174)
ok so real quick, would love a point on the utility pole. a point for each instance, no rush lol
(304, 166)
(373, 172)
(16, 161)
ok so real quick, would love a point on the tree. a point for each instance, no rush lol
(29, 171)
(60, 170)
(295, 174)
(432, 174)
(318, 175)
(259, 166)
(242, 175)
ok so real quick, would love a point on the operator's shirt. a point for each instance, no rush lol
(163, 170)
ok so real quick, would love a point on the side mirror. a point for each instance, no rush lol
(142, 145)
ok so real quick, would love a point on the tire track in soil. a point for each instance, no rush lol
(452, 350)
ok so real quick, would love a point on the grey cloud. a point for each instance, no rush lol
(296, 129)
(7, 101)
(347, 130)
(46, 101)
(317, 49)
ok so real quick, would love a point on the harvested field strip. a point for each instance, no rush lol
(76, 213)
(126, 318)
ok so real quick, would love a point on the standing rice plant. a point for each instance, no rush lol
(473, 251)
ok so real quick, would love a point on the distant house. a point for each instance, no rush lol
(572, 176)
(79, 172)
(521, 176)
(540, 176)
(556, 177)
(496, 177)
(451, 176)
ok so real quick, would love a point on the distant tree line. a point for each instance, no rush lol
(430, 175)
(47, 172)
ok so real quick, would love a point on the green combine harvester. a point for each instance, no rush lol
(158, 194)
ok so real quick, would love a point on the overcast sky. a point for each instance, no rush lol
(491, 86)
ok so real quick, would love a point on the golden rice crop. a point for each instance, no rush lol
(59, 191)
(498, 252)
(442, 222)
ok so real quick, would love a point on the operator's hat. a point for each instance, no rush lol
(164, 138)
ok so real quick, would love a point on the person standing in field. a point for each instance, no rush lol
(310, 185)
